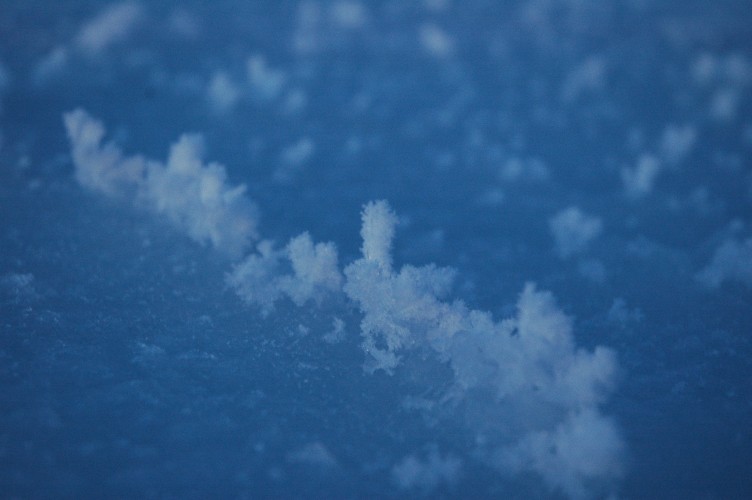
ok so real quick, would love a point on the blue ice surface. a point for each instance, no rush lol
(128, 367)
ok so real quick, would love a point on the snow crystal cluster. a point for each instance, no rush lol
(732, 261)
(301, 271)
(113, 25)
(573, 230)
(193, 196)
(545, 390)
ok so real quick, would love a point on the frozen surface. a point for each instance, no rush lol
(342, 248)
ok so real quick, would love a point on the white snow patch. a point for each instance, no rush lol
(529, 362)
(586, 78)
(112, 25)
(727, 78)
(639, 180)
(295, 101)
(50, 65)
(436, 5)
(704, 69)
(724, 104)
(266, 83)
(349, 14)
(585, 445)
(101, 167)
(293, 158)
(524, 169)
(377, 231)
(223, 93)
(412, 472)
(573, 231)
(732, 261)
(677, 142)
(306, 38)
(321, 25)
(709, 69)
(301, 271)
(337, 334)
(620, 314)
(195, 197)
(493, 197)
(436, 41)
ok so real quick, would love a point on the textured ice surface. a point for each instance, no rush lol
(201, 295)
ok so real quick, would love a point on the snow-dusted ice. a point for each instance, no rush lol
(350, 249)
